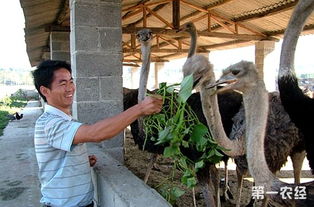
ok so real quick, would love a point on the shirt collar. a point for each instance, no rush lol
(53, 110)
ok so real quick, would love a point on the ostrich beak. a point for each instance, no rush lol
(182, 28)
(179, 30)
(226, 81)
(196, 81)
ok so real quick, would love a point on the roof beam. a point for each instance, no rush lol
(171, 32)
(233, 42)
(139, 61)
(61, 17)
(159, 6)
(57, 28)
(131, 64)
(159, 17)
(176, 14)
(156, 50)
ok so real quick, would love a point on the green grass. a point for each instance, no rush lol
(10, 105)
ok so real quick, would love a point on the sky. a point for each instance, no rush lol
(12, 43)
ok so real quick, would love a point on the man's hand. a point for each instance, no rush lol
(151, 105)
(92, 160)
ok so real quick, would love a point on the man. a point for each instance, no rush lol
(64, 166)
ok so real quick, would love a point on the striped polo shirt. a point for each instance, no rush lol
(64, 170)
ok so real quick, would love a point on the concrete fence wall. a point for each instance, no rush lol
(116, 186)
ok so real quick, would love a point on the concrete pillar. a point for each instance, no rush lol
(60, 46)
(158, 67)
(262, 49)
(96, 56)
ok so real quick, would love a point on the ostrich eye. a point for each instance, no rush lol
(235, 72)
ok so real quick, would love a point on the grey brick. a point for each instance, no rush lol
(90, 112)
(85, 38)
(111, 88)
(85, 15)
(97, 64)
(109, 16)
(110, 39)
(87, 89)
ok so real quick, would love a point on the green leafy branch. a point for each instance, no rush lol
(179, 128)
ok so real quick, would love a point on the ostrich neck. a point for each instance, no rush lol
(145, 48)
(300, 14)
(192, 49)
(213, 117)
(256, 103)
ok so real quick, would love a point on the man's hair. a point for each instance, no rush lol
(43, 74)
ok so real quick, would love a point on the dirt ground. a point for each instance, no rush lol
(137, 160)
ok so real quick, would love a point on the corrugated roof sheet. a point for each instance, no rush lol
(267, 18)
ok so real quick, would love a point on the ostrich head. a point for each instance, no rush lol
(144, 35)
(239, 76)
(188, 27)
(201, 69)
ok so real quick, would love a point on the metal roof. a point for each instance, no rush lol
(221, 24)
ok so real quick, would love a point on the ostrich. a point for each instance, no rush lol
(256, 101)
(282, 139)
(199, 64)
(280, 129)
(130, 99)
(299, 106)
(144, 36)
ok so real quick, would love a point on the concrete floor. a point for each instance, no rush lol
(19, 185)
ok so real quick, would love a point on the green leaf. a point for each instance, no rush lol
(171, 151)
(210, 154)
(160, 117)
(187, 174)
(222, 148)
(199, 164)
(182, 162)
(201, 145)
(162, 85)
(186, 130)
(177, 192)
(186, 88)
(185, 144)
(198, 132)
(191, 182)
(215, 159)
(218, 153)
(164, 135)
(171, 89)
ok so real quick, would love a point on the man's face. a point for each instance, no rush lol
(62, 89)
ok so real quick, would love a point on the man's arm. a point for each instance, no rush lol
(108, 128)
